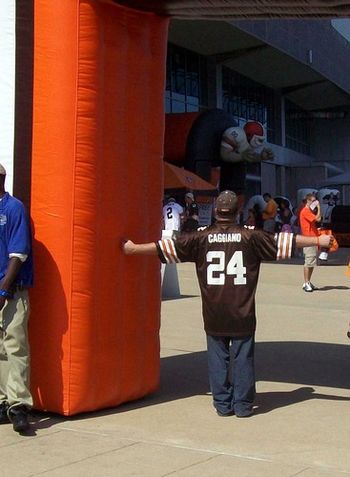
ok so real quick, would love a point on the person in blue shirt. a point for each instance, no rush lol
(16, 276)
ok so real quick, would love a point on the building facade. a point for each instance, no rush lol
(291, 75)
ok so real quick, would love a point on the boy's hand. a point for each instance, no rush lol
(128, 247)
(326, 240)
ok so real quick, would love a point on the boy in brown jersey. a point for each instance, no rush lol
(227, 258)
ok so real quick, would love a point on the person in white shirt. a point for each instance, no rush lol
(172, 215)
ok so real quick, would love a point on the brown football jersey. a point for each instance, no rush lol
(227, 258)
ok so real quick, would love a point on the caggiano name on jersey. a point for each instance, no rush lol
(223, 238)
(284, 244)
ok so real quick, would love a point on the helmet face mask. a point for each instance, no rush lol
(256, 141)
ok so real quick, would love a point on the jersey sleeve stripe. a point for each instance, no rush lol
(168, 250)
(284, 245)
(172, 250)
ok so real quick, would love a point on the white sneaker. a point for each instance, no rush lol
(323, 256)
(308, 287)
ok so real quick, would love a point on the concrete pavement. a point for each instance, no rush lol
(301, 425)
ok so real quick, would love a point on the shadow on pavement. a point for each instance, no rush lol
(330, 287)
(309, 363)
(302, 363)
(269, 401)
(179, 297)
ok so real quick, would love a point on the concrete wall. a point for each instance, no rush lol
(296, 38)
(331, 141)
(268, 178)
(291, 171)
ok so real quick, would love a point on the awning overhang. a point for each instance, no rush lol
(248, 55)
(243, 9)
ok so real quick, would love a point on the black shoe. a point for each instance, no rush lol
(225, 414)
(18, 415)
(4, 407)
(245, 412)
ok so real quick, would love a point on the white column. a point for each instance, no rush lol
(7, 86)
(283, 122)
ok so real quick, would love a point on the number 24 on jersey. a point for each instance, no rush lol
(216, 273)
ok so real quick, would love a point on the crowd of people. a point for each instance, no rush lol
(181, 214)
(275, 216)
(181, 218)
(272, 216)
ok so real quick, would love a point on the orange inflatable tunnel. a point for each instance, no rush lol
(98, 126)
(177, 128)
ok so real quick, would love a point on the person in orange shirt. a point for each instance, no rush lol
(269, 213)
(308, 218)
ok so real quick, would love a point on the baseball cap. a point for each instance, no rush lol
(2, 170)
(189, 195)
(226, 203)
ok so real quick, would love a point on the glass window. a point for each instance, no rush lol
(186, 81)
(179, 66)
(298, 128)
(247, 100)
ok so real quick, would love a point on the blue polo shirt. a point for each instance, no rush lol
(15, 237)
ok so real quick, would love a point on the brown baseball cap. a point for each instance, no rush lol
(226, 203)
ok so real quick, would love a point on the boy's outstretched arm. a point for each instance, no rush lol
(131, 248)
(322, 241)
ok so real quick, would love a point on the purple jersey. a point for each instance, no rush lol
(227, 258)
